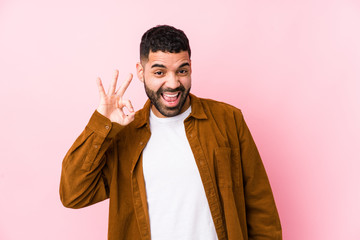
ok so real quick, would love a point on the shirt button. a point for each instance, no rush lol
(107, 127)
(141, 143)
(96, 146)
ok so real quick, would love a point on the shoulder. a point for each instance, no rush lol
(219, 108)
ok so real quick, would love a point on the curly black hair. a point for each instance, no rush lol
(163, 38)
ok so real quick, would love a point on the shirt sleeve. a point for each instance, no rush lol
(261, 213)
(85, 174)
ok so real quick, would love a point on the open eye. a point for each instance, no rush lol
(183, 71)
(159, 73)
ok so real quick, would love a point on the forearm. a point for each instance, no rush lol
(261, 212)
(85, 169)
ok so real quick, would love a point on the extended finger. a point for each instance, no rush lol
(120, 92)
(113, 83)
(100, 87)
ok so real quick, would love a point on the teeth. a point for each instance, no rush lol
(168, 95)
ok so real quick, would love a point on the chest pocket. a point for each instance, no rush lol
(227, 164)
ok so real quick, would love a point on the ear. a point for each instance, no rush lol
(140, 71)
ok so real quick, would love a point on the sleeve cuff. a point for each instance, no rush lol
(103, 126)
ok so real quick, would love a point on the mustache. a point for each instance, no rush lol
(178, 89)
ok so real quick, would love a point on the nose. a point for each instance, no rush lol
(172, 81)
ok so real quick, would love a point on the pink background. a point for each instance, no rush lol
(291, 66)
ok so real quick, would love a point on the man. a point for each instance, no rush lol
(180, 168)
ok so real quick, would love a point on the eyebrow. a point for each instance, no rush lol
(163, 66)
(184, 64)
(158, 65)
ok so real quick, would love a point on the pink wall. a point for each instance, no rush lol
(291, 66)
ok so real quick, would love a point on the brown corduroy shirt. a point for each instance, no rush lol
(106, 162)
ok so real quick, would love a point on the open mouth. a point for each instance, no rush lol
(171, 99)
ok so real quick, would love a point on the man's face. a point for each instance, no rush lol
(167, 81)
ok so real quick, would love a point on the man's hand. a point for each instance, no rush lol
(112, 104)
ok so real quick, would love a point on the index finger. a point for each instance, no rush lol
(113, 84)
(100, 87)
(120, 92)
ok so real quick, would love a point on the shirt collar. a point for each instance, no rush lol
(197, 111)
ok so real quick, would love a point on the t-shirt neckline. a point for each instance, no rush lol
(179, 117)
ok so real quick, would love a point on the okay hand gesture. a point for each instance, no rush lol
(112, 104)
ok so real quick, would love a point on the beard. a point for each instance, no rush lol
(155, 98)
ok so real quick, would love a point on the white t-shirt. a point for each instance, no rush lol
(178, 208)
